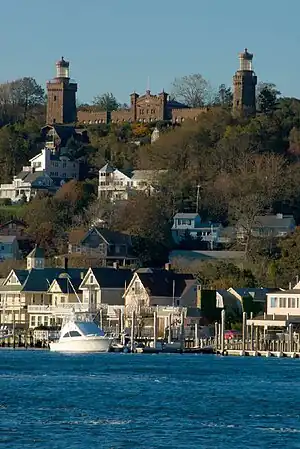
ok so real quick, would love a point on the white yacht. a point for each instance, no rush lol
(81, 336)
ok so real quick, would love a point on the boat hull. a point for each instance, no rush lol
(93, 344)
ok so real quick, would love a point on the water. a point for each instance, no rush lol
(133, 401)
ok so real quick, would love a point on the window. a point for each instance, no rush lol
(64, 164)
(137, 287)
(32, 321)
(54, 98)
(74, 334)
(39, 320)
(45, 321)
(273, 302)
(62, 300)
(282, 303)
(91, 279)
(291, 303)
(66, 335)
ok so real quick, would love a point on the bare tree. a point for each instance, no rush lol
(257, 184)
(192, 90)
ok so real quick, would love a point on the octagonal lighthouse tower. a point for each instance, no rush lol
(244, 86)
(61, 91)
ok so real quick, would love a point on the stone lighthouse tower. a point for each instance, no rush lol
(244, 86)
(61, 91)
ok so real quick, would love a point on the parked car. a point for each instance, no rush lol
(231, 334)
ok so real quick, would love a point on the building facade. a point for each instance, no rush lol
(116, 185)
(143, 108)
(244, 86)
(47, 171)
(191, 224)
(61, 96)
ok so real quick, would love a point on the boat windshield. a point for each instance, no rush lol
(89, 328)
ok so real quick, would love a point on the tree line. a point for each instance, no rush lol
(241, 167)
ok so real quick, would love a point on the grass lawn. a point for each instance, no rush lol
(13, 211)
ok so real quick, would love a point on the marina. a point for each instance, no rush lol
(258, 338)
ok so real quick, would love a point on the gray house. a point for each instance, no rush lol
(9, 247)
(101, 243)
(278, 225)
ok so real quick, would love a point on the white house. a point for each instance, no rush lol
(117, 185)
(192, 223)
(47, 171)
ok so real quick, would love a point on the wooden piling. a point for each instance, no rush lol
(222, 331)
(290, 345)
(196, 342)
(216, 335)
(170, 328)
(154, 329)
(182, 338)
(132, 331)
(244, 335)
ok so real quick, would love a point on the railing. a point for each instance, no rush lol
(62, 308)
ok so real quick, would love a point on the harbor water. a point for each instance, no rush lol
(116, 401)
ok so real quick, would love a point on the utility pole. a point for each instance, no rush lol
(198, 198)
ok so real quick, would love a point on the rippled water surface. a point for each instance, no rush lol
(115, 401)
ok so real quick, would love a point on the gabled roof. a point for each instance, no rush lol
(146, 175)
(68, 286)
(7, 238)
(39, 280)
(107, 168)
(112, 278)
(37, 253)
(15, 221)
(272, 221)
(76, 235)
(32, 177)
(64, 132)
(114, 237)
(160, 282)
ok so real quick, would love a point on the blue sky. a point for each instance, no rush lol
(114, 45)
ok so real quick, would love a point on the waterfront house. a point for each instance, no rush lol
(102, 244)
(282, 309)
(251, 299)
(105, 286)
(191, 224)
(27, 297)
(153, 287)
(9, 248)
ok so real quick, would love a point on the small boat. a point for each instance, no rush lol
(81, 336)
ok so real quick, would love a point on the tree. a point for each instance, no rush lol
(19, 97)
(146, 220)
(106, 102)
(267, 97)
(257, 184)
(192, 90)
(224, 96)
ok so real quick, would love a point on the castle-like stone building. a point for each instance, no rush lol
(61, 105)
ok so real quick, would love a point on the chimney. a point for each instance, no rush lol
(66, 263)
(168, 266)
(116, 265)
(290, 286)
(81, 275)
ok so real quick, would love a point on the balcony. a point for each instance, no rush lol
(61, 308)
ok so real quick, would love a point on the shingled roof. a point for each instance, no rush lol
(162, 282)
(112, 278)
